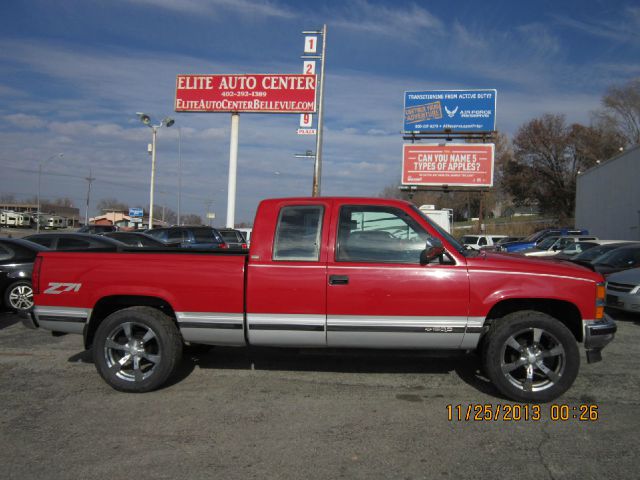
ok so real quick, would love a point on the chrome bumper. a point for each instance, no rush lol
(597, 335)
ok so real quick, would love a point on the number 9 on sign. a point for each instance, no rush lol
(306, 120)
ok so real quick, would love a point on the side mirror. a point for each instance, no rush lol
(433, 249)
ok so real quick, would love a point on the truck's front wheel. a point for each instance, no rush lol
(531, 357)
(137, 349)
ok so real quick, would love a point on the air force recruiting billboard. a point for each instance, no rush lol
(434, 111)
(452, 164)
(246, 93)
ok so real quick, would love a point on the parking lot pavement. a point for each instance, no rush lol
(244, 413)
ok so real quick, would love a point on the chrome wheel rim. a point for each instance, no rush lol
(132, 351)
(21, 297)
(533, 360)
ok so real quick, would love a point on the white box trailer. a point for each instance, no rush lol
(443, 217)
(15, 219)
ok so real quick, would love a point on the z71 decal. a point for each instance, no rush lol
(56, 288)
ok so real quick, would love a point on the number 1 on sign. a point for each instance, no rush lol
(310, 44)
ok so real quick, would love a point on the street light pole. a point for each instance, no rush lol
(179, 172)
(153, 174)
(40, 165)
(166, 122)
(86, 212)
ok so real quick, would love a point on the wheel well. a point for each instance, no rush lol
(108, 305)
(565, 312)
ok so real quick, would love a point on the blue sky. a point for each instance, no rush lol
(74, 72)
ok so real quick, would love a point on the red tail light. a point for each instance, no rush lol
(244, 246)
(224, 245)
(35, 275)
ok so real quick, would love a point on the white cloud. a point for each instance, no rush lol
(25, 121)
(245, 8)
(365, 16)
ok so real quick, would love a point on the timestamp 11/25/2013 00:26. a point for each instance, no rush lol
(507, 412)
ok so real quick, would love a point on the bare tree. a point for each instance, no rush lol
(548, 155)
(621, 111)
(112, 204)
(191, 219)
(63, 202)
(7, 198)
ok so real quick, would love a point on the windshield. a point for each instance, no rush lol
(547, 243)
(447, 236)
(469, 239)
(596, 252)
(621, 257)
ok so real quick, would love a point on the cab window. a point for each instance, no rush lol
(298, 233)
(378, 234)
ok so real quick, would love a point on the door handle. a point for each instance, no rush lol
(338, 280)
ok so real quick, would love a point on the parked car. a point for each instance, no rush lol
(587, 258)
(233, 238)
(535, 238)
(478, 241)
(577, 248)
(16, 265)
(246, 233)
(551, 246)
(97, 229)
(73, 241)
(622, 258)
(623, 290)
(139, 239)
(189, 237)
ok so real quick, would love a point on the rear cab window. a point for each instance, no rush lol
(298, 233)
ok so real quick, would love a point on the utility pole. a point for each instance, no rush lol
(89, 179)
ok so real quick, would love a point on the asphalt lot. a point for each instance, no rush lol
(245, 413)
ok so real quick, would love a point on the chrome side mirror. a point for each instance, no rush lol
(433, 249)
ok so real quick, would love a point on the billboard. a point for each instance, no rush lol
(246, 93)
(435, 111)
(135, 212)
(452, 164)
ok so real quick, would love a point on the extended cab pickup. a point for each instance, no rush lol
(329, 272)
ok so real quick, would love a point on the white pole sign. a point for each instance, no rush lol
(306, 120)
(309, 67)
(310, 44)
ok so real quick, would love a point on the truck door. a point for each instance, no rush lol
(378, 293)
(287, 280)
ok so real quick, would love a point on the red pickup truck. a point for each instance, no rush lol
(329, 272)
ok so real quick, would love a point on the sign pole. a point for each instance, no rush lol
(233, 167)
(317, 167)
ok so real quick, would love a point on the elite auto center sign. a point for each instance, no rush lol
(452, 164)
(277, 93)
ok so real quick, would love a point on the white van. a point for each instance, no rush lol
(478, 241)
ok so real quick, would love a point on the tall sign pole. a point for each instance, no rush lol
(233, 168)
(317, 167)
(310, 52)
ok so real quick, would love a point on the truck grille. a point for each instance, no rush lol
(619, 287)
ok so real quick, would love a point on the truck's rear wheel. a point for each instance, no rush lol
(531, 357)
(137, 349)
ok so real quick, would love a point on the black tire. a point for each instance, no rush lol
(531, 357)
(137, 349)
(19, 296)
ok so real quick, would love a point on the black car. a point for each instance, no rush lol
(97, 229)
(622, 258)
(233, 238)
(589, 256)
(138, 239)
(189, 237)
(16, 265)
(73, 241)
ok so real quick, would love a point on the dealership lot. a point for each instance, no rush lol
(258, 413)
